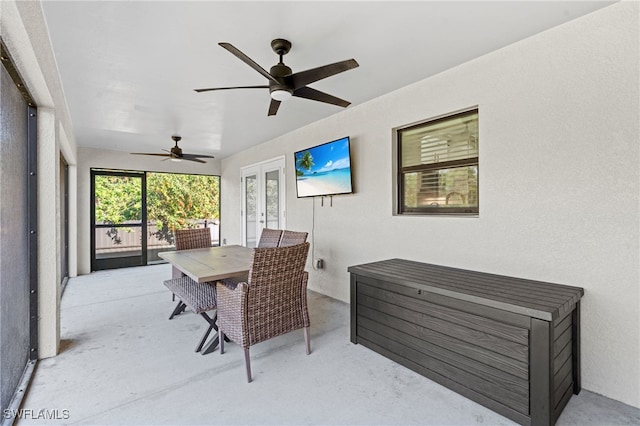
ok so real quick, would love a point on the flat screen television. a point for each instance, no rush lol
(324, 169)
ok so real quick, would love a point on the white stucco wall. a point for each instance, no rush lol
(559, 181)
(99, 158)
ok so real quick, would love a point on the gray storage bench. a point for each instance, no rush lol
(510, 344)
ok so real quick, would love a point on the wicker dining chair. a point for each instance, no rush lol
(292, 238)
(272, 302)
(192, 238)
(187, 239)
(269, 238)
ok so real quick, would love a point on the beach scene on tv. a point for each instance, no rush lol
(324, 169)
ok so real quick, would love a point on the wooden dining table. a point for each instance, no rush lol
(210, 265)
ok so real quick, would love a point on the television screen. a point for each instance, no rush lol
(324, 169)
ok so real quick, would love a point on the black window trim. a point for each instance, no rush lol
(432, 211)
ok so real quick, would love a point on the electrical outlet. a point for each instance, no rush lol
(319, 263)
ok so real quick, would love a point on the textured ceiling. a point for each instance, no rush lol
(129, 68)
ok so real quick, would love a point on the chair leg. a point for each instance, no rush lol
(247, 364)
(221, 341)
(307, 340)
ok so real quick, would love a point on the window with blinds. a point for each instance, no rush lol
(438, 166)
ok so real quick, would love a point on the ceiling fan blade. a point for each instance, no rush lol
(273, 107)
(197, 160)
(302, 78)
(316, 95)
(190, 156)
(227, 88)
(247, 60)
(149, 153)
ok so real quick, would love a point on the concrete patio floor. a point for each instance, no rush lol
(123, 362)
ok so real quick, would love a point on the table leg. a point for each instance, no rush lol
(212, 345)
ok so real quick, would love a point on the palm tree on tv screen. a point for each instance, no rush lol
(305, 162)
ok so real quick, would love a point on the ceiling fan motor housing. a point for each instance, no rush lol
(176, 151)
(279, 72)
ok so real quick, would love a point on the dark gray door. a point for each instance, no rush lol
(119, 224)
(18, 326)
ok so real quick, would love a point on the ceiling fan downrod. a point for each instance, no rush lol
(281, 47)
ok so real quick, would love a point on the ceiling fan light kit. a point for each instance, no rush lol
(281, 95)
(283, 83)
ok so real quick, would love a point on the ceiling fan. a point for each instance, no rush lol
(283, 83)
(176, 153)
